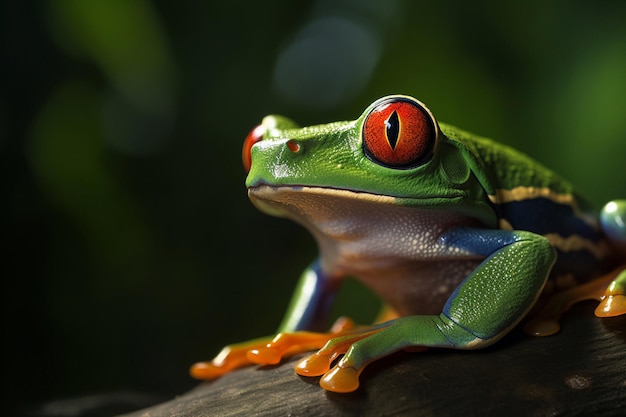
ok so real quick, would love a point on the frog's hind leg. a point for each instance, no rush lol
(607, 289)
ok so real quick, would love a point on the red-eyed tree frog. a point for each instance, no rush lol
(457, 234)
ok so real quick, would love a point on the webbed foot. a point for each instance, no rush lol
(320, 362)
(343, 377)
(266, 351)
(362, 347)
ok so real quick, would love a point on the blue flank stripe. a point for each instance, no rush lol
(544, 216)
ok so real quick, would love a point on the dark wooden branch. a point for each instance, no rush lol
(578, 372)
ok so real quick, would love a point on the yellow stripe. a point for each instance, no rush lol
(575, 243)
(525, 193)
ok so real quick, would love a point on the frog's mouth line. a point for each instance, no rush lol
(267, 192)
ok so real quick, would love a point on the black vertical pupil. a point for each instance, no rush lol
(393, 129)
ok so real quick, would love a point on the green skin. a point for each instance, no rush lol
(433, 240)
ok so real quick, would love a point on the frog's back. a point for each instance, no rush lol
(525, 195)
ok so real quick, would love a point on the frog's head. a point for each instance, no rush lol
(394, 152)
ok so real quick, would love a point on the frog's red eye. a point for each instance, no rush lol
(399, 133)
(253, 137)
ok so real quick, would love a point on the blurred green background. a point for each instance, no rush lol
(130, 249)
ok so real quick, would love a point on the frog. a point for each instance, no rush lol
(461, 237)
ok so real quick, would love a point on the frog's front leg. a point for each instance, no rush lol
(487, 304)
(308, 311)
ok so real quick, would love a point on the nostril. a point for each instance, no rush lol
(293, 145)
(253, 137)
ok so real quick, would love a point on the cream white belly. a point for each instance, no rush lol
(395, 250)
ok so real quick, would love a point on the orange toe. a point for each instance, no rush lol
(205, 370)
(611, 306)
(313, 365)
(341, 379)
(264, 356)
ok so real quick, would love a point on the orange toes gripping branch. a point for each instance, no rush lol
(265, 351)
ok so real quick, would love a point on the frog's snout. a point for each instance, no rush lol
(256, 135)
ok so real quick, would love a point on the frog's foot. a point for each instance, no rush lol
(319, 363)
(231, 357)
(612, 302)
(266, 351)
(345, 376)
(371, 343)
(287, 344)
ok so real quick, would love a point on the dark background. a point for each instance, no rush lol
(129, 248)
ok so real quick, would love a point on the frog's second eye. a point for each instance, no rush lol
(253, 137)
(399, 133)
